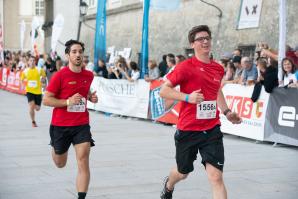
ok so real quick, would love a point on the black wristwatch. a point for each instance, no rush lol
(227, 111)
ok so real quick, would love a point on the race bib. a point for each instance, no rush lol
(206, 110)
(81, 107)
(32, 83)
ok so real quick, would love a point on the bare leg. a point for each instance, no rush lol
(59, 160)
(216, 180)
(82, 155)
(174, 177)
(31, 110)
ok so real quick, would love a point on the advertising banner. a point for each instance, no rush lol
(100, 32)
(166, 111)
(238, 98)
(282, 117)
(122, 97)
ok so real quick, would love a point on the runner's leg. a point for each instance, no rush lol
(216, 180)
(82, 155)
(59, 160)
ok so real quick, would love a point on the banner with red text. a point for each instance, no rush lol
(238, 98)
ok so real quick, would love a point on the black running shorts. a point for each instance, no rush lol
(33, 97)
(63, 136)
(209, 143)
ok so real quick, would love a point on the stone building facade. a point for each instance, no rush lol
(168, 29)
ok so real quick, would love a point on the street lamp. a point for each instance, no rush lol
(83, 12)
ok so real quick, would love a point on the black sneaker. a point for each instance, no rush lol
(166, 193)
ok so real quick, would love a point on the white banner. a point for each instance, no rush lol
(22, 34)
(121, 97)
(34, 25)
(250, 12)
(253, 114)
(57, 28)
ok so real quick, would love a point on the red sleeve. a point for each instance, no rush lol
(55, 83)
(177, 76)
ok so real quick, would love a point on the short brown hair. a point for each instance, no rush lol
(201, 28)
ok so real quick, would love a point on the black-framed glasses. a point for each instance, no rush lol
(202, 39)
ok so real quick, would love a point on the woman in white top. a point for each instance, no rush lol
(288, 68)
(135, 72)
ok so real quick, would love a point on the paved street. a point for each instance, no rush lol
(130, 160)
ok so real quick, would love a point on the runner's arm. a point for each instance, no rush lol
(221, 101)
(50, 100)
(169, 92)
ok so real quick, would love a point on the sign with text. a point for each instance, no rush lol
(282, 117)
(252, 114)
(122, 97)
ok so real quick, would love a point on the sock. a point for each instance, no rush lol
(82, 195)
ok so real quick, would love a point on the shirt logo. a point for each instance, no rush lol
(216, 80)
(202, 69)
(72, 82)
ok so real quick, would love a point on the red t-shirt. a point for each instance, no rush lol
(65, 84)
(192, 75)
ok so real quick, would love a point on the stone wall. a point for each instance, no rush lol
(168, 29)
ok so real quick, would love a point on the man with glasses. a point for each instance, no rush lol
(198, 127)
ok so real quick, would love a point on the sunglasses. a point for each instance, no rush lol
(202, 39)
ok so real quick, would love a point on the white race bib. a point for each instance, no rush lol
(81, 107)
(32, 83)
(206, 110)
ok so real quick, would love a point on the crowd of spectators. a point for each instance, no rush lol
(240, 69)
(261, 69)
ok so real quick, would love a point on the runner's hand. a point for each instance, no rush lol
(196, 97)
(93, 97)
(234, 118)
(75, 99)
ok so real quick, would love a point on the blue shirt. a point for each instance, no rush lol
(250, 74)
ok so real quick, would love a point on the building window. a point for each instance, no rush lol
(39, 7)
(248, 50)
(91, 3)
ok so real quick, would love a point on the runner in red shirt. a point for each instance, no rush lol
(68, 92)
(198, 126)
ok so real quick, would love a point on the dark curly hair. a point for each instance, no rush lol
(71, 42)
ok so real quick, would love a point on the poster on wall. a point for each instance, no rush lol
(249, 14)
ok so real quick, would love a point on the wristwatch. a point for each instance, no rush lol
(227, 111)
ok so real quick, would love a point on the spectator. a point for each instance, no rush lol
(41, 62)
(101, 69)
(50, 68)
(179, 58)
(250, 72)
(230, 72)
(288, 68)
(270, 76)
(237, 63)
(135, 72)
(171, 62)
(261, 66)
(237, 52)
(153, 71)
(163, 66)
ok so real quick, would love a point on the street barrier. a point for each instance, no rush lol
(272, 118)
(11, 81)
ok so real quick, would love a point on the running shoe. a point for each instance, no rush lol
(166, 193)
(34, 124)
